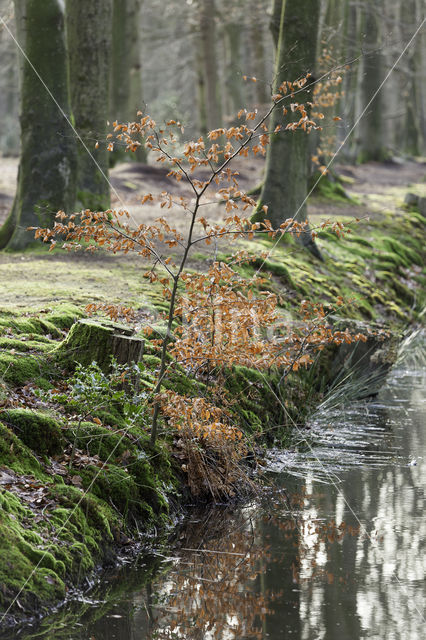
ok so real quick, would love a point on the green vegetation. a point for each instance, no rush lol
(82, 475)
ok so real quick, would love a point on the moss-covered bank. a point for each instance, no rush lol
(76, 481)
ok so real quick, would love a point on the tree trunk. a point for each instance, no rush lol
(275, 22)
(286, 182)
(208, 47)
(89, 47)
(93, 341)
(257, 34)
(371, 125)
(47, 170)
(201, 89)
(352, 107)
(415, 129)
(233, 69)
(126, 77)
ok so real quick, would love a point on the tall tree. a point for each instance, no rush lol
(415, 117)
(47, 169)
(285, 187)
(126, 77)
(371, 129)
(212, 106)
(234, 86)
(89, 47)
(259, 58)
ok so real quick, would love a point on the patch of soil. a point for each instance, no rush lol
(375, 177)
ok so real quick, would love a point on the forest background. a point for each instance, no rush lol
(75, 427)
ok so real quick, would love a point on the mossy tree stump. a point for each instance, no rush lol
(92, 341)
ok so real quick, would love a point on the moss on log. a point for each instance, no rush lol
(90, 341)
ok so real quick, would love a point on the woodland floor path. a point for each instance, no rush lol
(34, 279)
(384, 183)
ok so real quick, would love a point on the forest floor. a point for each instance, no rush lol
(378, 185)
(377, 189)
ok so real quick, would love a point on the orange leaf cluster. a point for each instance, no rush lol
(197, 417)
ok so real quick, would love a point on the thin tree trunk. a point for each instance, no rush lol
(201, 89)
(414, 137)
(352, 106)
(257, 34)
(208, 45)
(275, 22)
(126, 68)
(233, 68)
(372, 146)
(286, 182)
(47, 170)
(89, 46)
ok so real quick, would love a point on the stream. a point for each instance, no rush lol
(335, 549)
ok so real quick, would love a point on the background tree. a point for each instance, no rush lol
(209, 65)
(9, 87)
(47, 168)
(285, 187)
(372, 144)
(126, 77)
(414, 136)
(89, 47)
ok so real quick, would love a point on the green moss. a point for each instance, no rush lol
(82, 557)
(358, 240)
(25, 345)
(92, 201)
(37, 586)
(97, 440)
(278, 269)
(31, 326)
(409, 256)
(254, 393)
(38, 431)
(325, 188)
(86, 342)
(15, 455)
(17, 369)
(64, 315)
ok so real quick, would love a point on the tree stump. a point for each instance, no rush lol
(93, 341)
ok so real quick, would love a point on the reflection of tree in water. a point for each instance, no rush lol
(226, 586)
(212, 594)
(374, 582)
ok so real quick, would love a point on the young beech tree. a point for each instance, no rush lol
(285, 187)
(89, 45)
(217, 318)
(47, 169)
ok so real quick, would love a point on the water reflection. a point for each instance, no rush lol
(336, 552)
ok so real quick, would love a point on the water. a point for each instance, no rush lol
(335, 550)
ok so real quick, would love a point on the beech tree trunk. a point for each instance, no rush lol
(126, 77)
(234, 84)
(415, 122)
(47, 169)
(257, 34)
(209, 62)
(372, 145)
(89, 47)
(285, 187)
